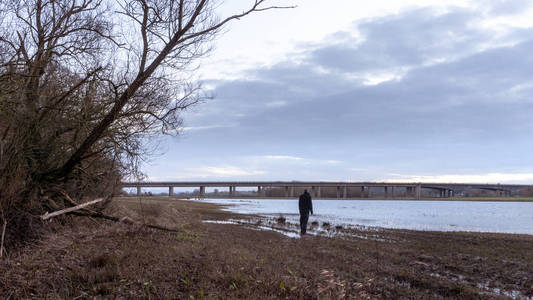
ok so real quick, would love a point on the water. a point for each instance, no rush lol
(503, 217)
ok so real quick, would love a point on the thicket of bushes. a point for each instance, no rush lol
(84, 85)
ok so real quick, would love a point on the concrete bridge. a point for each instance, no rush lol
(389, 189)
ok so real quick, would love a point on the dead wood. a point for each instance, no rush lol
(75, 210)
(3, 233)
(47, 216)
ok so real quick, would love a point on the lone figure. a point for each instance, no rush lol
(305, 206)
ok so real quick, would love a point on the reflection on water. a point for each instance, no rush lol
(504, 217)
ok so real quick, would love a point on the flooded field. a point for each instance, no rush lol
(502, 217)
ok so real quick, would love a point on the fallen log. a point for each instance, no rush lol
(47, 216)
(75, 210)
(2, 250)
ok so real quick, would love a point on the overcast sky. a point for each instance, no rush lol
(364, 91)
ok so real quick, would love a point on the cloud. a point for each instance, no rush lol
(526, 178)
(282, 157)
(194, 128)
(414, 38)
(225, 171)
(508, 7)
(409, 93)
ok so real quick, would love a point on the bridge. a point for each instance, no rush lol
(339, 189)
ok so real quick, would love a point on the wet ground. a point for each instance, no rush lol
(216, 254)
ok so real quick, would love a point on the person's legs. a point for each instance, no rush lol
(303, 223)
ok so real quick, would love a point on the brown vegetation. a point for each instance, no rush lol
(219, 261)
(84, 85)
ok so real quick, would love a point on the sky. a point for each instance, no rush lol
(363, 91)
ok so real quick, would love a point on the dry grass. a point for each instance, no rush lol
(213, 261)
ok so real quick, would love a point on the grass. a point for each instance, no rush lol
(101, 259)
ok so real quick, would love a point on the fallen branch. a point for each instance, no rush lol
(74, 203)
(47, 216)
(90, 213)
(3, 234)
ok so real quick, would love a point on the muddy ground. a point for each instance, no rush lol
(90, 258)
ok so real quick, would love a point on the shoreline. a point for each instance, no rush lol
(336, 217)
(452, 199)
(103, 259)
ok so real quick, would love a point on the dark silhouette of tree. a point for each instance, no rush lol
(85, 83)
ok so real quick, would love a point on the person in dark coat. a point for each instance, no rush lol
(305, 205)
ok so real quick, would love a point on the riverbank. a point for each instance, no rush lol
(220, 261)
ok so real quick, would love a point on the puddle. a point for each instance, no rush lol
(222, 222)
(292, 230)
(257, 226)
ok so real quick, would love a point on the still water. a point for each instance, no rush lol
(504, 217)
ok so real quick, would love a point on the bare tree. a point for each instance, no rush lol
(84, 82)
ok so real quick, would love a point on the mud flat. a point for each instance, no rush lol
(219, 255)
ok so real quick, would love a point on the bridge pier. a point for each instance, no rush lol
(286, 191)
(202, 191)
(338, 192)
(362, 191)
(170, 191)
(392, 191)
(138, 191)
(345, 192)
(418, 191)
(318, 194)
(231, 190)
(292, 192)
(386, 192)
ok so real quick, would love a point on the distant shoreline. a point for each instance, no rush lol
(465, 199)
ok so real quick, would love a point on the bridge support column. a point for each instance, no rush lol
(363, 191)
(345, 192)
(386, 192)
(260, 191)
(392, 191)
(138, 191)
(286, 192)
(292, 192)
(231, 190)
(418, 191)
(318, 195)
(202, 191)
(338, 192)
(170, 191)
